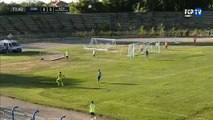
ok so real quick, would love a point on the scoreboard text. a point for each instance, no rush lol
(40, 9)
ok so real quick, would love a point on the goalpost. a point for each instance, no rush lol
(140, 48)
(153, 47)
(101, 44)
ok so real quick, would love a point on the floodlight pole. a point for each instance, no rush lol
(63, 117)
(13, 110)
(33, 116)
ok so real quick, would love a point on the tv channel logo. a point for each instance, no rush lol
(196, 12)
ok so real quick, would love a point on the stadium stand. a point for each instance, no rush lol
(44, 23)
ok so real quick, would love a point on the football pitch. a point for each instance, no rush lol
(176, 84)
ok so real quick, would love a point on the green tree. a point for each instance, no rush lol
(161, 29)
(142, 31)
(3, 8)
(6, 8)
(152, 31)
(173, 31)
(87, 6)
(195, 32)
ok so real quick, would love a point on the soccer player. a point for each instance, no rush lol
(93, 52)
(67, 54)
(141, 49)
(99, 75)
(147, 53)
(166, 44)
(59, 79)
(92, 110)
(195, 40)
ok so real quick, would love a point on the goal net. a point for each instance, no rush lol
(140, 48)
(51, 55)
(101, 44)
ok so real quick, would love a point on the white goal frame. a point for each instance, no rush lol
(101, 44)
(135, 48)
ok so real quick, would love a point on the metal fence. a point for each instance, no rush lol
(14, 113)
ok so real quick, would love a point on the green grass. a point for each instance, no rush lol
(173, 85)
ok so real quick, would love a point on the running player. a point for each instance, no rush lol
(59, 79)
(92, 110)
(67, 55)
(99, 75)
(166, 44)
(93, 52)
(147, 53)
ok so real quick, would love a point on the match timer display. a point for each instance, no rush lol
(40, 9)
(17, 9)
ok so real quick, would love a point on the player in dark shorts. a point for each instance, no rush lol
(147, 53)
(99, 75)
(195, 40)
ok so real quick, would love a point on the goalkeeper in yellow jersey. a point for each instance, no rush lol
(59, 79)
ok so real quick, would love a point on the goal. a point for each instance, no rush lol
(101, 44)
(140, 48)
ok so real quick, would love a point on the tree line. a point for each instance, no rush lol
(109, 6)
(106, 6)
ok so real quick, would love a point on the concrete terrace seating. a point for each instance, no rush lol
(17, 24)
(8, 28)
(1, 30)
(30, 23)
(66, 24)
(44, 23)
(88, 21)
(208, 18)
(51, 22)
(77, 20)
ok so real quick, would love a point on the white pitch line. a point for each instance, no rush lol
(172, 113)
(156, 110)
(120, 104)
(167, 75)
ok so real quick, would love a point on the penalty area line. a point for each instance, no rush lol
(155, 110)
(172, 113)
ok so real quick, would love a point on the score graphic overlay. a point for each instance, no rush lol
(50, 9)
(33, 9)
(44, 9)
(40, 9)
(61, 9)
(196, 12)
(17, 9)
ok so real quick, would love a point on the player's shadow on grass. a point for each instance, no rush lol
(167, 59)
(192, 56)
(87, 88)
(119, 83)
(24, 53)
(26, 81)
